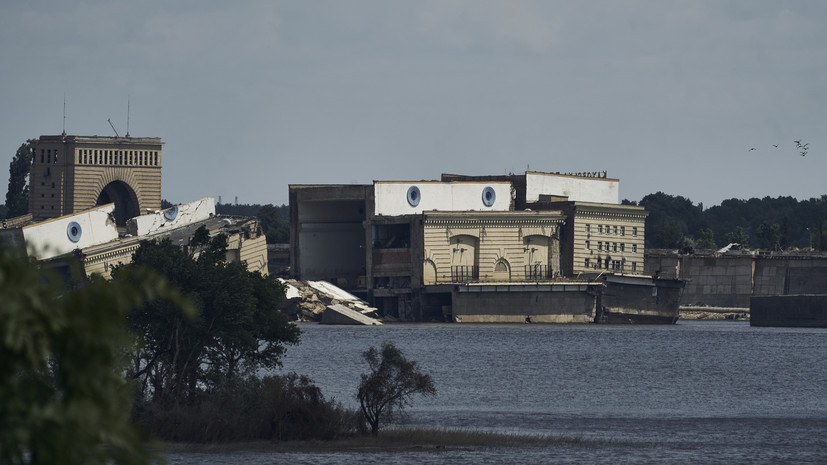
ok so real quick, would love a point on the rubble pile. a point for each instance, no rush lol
(307, 300)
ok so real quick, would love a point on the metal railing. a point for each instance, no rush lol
(535, 272)
(464, 273)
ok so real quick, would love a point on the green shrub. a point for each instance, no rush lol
(277, 408)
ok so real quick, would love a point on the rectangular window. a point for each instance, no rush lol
(588, 245)
(614, 246)
(588, 228)
(586, 263)
(599, 245)
(48, 156)
(634, 231)
(42, 155)
(634, 248)
(615, 230)
(622, 247)
(623, 230)
(608, 229)
(634, 266)
(599, 262)
(600, 229)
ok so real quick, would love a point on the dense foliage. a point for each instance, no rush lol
(769, 223)
(63, 396)
(17, 195)
(275, 221)
(274, 408)
(390, 385)
(238, 329)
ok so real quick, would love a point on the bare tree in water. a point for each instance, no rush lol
(390, 385)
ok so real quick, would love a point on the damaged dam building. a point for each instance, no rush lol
(540, 247)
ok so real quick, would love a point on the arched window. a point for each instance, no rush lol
(502, 270)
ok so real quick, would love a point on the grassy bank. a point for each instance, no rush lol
(388, 440)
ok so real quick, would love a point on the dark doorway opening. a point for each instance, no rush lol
(124, 198)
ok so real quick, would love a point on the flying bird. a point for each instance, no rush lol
(775, 145)
(751, 149)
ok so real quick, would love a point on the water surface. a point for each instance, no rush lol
(702, 392)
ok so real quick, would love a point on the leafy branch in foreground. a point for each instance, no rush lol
(63, 394)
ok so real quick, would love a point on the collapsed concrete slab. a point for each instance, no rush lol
(307, 300)
(340, 315)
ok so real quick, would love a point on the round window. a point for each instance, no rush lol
(171, 214)
(74, 231)
(413, 196)
(489, 196)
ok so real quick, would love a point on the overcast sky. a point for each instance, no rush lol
(250, 96)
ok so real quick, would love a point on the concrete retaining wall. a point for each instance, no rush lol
(808, 311)
(541, 306)
(730, 280)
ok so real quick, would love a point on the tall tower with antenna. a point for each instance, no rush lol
(73, 173)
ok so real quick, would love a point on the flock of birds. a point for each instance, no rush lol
(802, 147)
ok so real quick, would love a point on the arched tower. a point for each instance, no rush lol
(74, 173)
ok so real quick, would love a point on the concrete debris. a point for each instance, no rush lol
(341, 315)
(307, 300)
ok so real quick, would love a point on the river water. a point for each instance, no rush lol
(694, 392)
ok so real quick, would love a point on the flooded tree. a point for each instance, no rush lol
(392, 382)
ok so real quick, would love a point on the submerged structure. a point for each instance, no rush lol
(536, 247)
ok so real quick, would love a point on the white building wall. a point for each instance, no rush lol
(160, 222)
(391, 197)
(576, 188)
(51, 238)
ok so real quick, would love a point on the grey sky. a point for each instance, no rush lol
(251, 96)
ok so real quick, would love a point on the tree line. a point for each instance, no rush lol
(780, 223)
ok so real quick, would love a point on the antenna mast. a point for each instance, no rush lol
(113, 127)
(64, 113)
(127, 116)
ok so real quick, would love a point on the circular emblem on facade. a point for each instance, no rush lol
(171, 214)
(74, 231)
(488, 196)
(413, 196)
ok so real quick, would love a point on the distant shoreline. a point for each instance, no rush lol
(426, 440)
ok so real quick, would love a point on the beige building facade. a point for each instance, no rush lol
(603, 237)
(74, 173)
(407, 246)
(491, 247)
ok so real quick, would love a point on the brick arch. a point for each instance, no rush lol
(124, 198)
(124, 175)
(118, 186)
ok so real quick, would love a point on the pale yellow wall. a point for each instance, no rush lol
(619, 245)
(102, 263)
(508, 241)
(252, 250)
